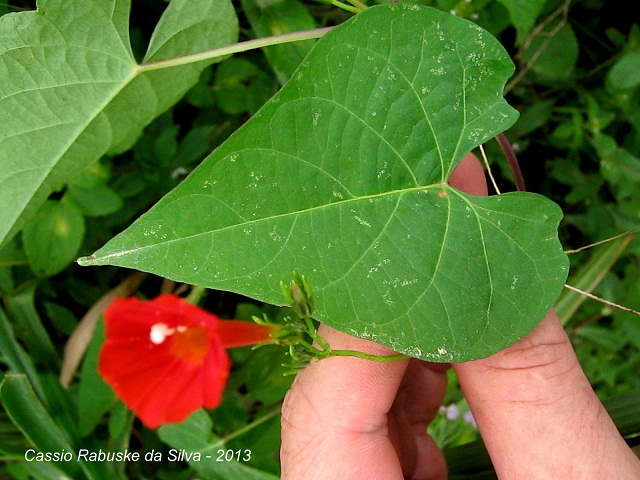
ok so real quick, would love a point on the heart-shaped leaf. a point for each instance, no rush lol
(71, 89)
(342, 177)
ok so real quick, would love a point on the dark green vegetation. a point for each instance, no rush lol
(576, 86)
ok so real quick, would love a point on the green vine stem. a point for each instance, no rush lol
(366, 356)
(300, 298)
(274, 412)
(235, 48)
(196, 294)
(356, 5)
(359, 5)
(337, 3)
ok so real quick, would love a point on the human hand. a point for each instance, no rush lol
(347, 418)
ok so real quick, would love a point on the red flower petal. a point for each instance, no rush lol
(234, 333)
(164, 358)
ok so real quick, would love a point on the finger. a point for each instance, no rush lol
(533, 404)
(538, 415)
(424, 384)
(469, 176)
(417, 403)
(334, 418)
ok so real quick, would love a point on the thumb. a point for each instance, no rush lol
(538, 415)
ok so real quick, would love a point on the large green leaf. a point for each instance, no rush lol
(71, 89)
(342, 177)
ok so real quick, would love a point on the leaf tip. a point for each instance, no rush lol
(86, 261)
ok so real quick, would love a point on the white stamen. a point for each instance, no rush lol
(159, 332)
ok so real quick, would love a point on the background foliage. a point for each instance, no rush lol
(576, 86)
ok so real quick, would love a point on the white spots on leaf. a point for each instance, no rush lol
(375, 268)
(383, 170)
(394, 284)
(361, 221)
(386, 297)
(514, 281)
(414, 352)
(397, 282)
(475, 134)
(440, 32)
(474, 57)
(152, 232)
(275, 236)
(254, 180)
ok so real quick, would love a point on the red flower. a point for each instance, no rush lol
(166, 358)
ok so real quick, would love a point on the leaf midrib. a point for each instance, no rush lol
(94, 260)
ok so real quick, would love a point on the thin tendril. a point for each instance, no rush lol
(602, 300)
(486, 162)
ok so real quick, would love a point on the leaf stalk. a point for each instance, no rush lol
(239, 47)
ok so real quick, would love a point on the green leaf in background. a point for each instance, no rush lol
(53, 237)
(553, 53)
(28, 326)
(241, 86)
(342, 177)
(523, 15)
(95, 397)
(269, 18)
(37, 470)
(71, 89)
(625, 73)
(15, 357)
(27, 412)
(194, 435)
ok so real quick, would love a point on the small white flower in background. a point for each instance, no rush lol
(452, 412)
(468, 417)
